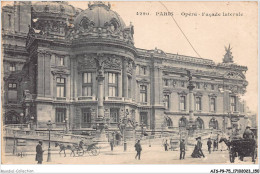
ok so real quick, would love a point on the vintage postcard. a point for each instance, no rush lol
(129, 82)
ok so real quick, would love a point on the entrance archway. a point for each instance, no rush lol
(118, 139)
(12, 117)
(199, 123)
(213, 124)
(183, 122)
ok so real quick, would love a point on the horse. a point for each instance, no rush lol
(227, 142)
(63, 148)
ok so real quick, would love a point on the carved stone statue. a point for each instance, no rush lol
(228, 58)
(189, 75)
(100, 65)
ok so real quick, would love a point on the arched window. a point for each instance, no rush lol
(213, 124)
(169, 122)
(183, 122)
(199, 123)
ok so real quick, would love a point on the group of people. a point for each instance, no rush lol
(197, 152)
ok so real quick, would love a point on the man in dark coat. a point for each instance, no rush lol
(248, 134)
(214, 145)
(209, 143)
(166, 145)
(199, 146)
(112, 144)
(182, 149)
(138, 149)
(39, 153)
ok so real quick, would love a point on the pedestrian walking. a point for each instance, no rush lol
(215, 145)
(182, 149)
(166, 145)
(138, 149)
(39, 153)
(199, 146)
(209, 143)
(112, 145)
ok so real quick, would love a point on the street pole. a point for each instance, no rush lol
(125, 144)
(14, 147)
(49, 124)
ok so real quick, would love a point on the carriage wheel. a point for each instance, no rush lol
(80, 153)
(94, 152)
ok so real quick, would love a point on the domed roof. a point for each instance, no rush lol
(53, 7)
(99, 15)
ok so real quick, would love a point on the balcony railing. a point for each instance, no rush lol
(86, 98)
(114, 98)
(61, 98)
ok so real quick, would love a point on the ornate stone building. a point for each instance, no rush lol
(72, 66)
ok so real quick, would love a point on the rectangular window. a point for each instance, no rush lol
(12, 92)
(212, 104)
(87, 84)
(60, 87)
(143, 94)
(182, 103)
(112, 84)
(233, 104)
(86, 118)
(12, 86)
(60, 115)
(198, 103)
(198, 85)
(129, 87)
(212, 87)
(143, 70)
(60, 61)
(166, 82)
(166, 101)
(182, 84)
(114, 115)
(12, 67)
(143, 118)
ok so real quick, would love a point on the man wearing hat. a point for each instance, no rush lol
(39, 153)
(199, 146)
(138, 149)
(209, 143)
(248, 134)
(182, 149)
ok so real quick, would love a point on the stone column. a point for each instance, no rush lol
(124, 74)
(192, 125)
(100, 79)
(133, 82)
(101, 135)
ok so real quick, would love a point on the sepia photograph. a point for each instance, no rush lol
(129, 82)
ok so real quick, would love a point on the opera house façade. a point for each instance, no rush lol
(71, 66)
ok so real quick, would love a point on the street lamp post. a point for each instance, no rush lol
(31, 121)
(21, 114)
(123, 126)
(49, 124)
(66, 125)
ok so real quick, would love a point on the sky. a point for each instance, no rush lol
(208, 35)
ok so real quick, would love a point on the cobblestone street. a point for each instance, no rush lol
(149, 155)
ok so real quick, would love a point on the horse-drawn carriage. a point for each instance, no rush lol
(79, 150)
(92, 149)
(242, 148)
